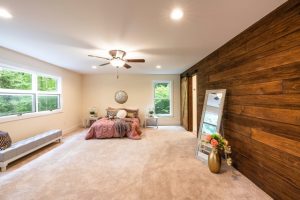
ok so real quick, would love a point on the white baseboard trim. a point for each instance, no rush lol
(168, 124)
(71, 129)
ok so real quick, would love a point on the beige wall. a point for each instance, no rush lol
(67, 120)
(81, 92)
(99, 90)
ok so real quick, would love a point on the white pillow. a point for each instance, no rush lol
(121, 114)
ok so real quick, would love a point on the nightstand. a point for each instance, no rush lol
(92, 120)
(151, 122)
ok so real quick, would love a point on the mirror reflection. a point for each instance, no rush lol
(210, 122)
(210, 119)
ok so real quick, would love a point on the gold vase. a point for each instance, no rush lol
(214, 161)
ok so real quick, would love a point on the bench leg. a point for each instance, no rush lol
(3, 168)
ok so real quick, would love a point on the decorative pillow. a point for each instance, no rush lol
(111, 117)
(121, 114)
(133, 112)
(5, 140)
(111, 113)
(130, 115)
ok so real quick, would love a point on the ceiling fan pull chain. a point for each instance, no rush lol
(117, 72)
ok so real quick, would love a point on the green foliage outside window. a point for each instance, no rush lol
(20, 103)
(47, 84)
(15, 104)
(48, 102)
(15, 80)
(162, 98)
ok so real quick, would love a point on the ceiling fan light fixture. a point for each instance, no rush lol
(117, 59)
(117, 62)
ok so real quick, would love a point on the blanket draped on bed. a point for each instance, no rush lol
(110, 128)
(122, 127)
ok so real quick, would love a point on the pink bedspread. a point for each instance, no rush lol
(105, 128)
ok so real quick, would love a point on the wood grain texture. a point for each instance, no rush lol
(292, 85)
(287, 116)
(277, 161)
(289, 101)
(260, 68)
(274, 87)
(281, 58)
(281, 143)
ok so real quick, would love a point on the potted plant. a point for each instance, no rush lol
(151, 112)
(92, 113)
(219, 145)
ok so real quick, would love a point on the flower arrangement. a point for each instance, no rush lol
(221, 144)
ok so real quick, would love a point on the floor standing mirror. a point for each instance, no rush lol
(210, 120)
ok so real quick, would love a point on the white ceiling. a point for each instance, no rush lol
(64, 32)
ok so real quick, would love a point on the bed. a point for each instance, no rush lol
(112, 126)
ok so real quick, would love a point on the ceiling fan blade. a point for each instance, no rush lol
(135, 60)
(104, 64)
(98, 57)
(127, 66)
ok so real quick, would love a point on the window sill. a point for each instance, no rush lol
(28, 116)
(164, 116)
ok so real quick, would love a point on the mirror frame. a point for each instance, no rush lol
(199, 151)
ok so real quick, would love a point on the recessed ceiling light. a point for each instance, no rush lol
(176, 14)
(5, 14)
(158, 66)
(94, 67)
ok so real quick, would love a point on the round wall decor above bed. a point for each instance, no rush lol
(121, 96)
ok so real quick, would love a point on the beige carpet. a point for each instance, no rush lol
(160, 166)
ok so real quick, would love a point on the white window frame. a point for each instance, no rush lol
(34, 91)
(58, 92)
(171, 96)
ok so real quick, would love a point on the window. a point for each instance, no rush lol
(162, 98)
(12, 104)
(48, 102)
(24, 92)
(48, 96)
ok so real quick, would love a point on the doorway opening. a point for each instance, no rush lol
(189, 103)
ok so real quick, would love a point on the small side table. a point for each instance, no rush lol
(92, 120)
(151, 122)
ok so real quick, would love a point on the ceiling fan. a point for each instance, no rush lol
(118, 60)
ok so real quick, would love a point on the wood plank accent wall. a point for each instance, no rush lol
(260, 68)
